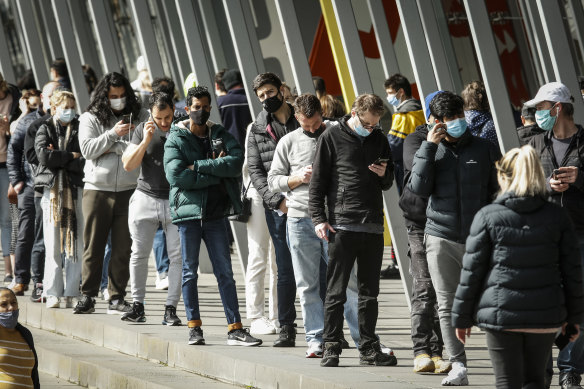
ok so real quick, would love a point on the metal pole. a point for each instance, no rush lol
(529, 32)
(167, 37)
(212, 34)
(383, 37)
(147, 37)
(543, 57)
(83, 35)
(177, 41)
(71, 52)
(31, 37)
(5, 62)
(294, 46)
(106, 39)
(575, 8)
(560, 53)
(52, 34)
(495, 84)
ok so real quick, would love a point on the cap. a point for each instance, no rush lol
(427, 101)
(552, 91)
(231, 78)
(190, 82)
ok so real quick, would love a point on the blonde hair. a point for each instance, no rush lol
(59, 97)
(520, 171)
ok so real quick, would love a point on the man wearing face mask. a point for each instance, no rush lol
(456, 171)
(203, 162)
(149, 208)
(561, 149)
(276, 120)
(352, 166)
(104, 134)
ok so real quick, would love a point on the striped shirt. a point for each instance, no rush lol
(16, 360)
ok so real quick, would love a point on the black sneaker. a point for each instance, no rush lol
(287, 337)
(170, 317)
(37, 293)
(196, 335)
(120, 308)
(391, 272)
(136, 315)
(344, 344)
(85, 305)
(241, 337)
(374, 356)
(8, 279)
(332, 351)
(570, 380)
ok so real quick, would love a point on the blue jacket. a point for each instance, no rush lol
(235, 114)
(18, 168)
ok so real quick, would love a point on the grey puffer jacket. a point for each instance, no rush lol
(521, 269)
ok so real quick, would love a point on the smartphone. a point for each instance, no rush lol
(555, 173)
(3, 116)
(380, 160)
(563, 339)
(217, 146)
(127, 119)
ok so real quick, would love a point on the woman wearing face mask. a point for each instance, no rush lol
(18, 359)
(60, 172)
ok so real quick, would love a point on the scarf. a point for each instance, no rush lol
(62, 203)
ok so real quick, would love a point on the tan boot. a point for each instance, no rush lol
(441, 366)
(19, 289)
(423, 364)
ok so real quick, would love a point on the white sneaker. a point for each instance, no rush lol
(262, 326)
(162, 284)
(457, 376)
(69, 302)
(314, 350)
(12, 283)
(53, 302)
(105, 294)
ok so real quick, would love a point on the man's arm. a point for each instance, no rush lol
(279, 174)
(134, 154)
(228, 166)
(178, 173)
(15, 156)
(421, 181)
(320, 181)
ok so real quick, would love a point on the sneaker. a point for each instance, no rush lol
(384, 349)
(391, 272)
(344, 344)
(69, 302)
(374, 356)
(8, 279)
(423, 364)
(161, 283)
(19, 289)
(314, 350)
(262, 326)
(85, 305)
(136, 315)
(170, 317)
(12, 284)
(37, 294)
(570, 380)
(196, 335)
(287, 337)
(119, 308)
(53, 302)
(441, 366)
(457, 376)
(105, 294)
(332, 351)
(241, 337)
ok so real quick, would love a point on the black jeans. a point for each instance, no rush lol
(37, 266)
(426, 334)
(286, 282)
(519, 359)
(344, 248)
(25, 241)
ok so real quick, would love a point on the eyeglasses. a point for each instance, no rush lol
(370, 127)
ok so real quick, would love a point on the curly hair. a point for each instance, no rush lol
(266, 78)
(59, 97)
(368, 103)
(100, 105)
(308, 105)
(475, 98)
(197, 93)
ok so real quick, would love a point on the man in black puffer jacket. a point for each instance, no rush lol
(276, 120)
(561, 147)
(456, 171)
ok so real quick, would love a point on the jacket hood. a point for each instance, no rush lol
(408, 106)
(342, 122)
(182, 124)
(422, 129)
(477, 119)
(525, 204)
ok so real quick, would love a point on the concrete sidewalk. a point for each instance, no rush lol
(261, 367)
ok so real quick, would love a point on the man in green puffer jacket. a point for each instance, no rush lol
(202, 162)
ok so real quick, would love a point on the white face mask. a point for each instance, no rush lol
(118, 104)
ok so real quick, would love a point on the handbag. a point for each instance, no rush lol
(245, 213)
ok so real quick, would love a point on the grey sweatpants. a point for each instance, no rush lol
(445, 264)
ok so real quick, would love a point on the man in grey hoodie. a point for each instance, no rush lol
(104, 134)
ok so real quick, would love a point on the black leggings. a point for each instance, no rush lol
(519, 358)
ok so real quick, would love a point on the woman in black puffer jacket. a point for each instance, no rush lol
(522, 275)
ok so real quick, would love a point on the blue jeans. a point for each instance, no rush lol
(286, 284)
(571, 358)
(214, 234)
(308, 251)
(106, 260)
(160, 253)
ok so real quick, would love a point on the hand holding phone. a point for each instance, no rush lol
(555, 173)
(380, 160)
(127, 119)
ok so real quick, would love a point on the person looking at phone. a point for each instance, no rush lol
(204, 189)
(345, 175)
(149, 208)
(456, 172)
(103, 138)
(519, 282)
(561, 148)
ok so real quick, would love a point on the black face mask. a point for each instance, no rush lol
(272, 104)
(199, 117)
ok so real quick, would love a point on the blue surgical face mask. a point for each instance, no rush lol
(455, 128)
(359, 129)
(66, 115)
(544, 120)
(9, 319)
(392, 99)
